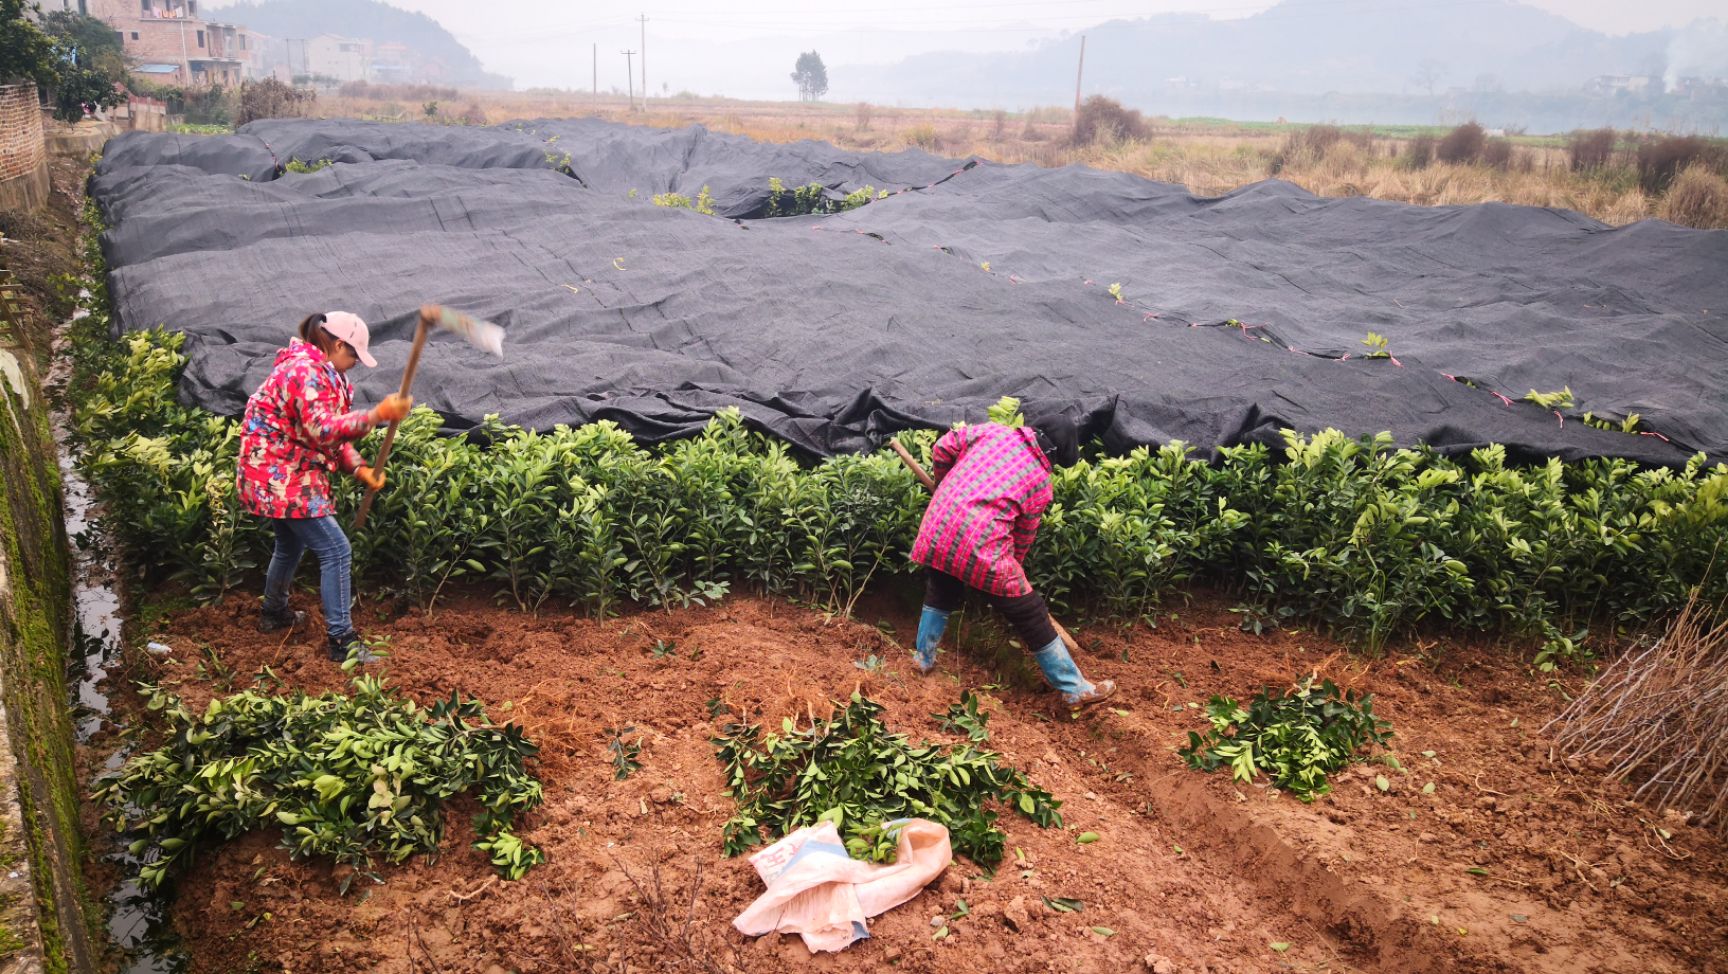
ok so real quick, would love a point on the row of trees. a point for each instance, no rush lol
(75, 56)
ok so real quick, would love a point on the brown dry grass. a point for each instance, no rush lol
(1698, 198)
(1208, 159)
(1658, 718)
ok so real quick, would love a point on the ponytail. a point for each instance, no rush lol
(312, 331)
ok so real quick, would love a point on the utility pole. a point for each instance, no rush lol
(1078, 74)
(596, 73)
(630, 76)
(644, 19)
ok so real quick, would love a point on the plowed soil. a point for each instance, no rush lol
(1513, 862)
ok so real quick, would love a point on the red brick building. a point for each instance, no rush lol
(171, 42)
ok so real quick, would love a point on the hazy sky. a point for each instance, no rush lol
(549, 42)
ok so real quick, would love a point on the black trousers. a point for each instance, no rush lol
(1027, 613)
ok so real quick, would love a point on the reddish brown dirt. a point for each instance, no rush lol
(1193, 872)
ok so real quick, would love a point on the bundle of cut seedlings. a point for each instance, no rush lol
(1657, 718)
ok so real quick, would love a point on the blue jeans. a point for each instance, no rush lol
(335, 563)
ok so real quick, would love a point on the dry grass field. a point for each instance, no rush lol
(1210, 157)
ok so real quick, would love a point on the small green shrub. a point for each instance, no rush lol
(1296, 737)
(965, 718)
(298, 166)
(703, 203)
(805, 199)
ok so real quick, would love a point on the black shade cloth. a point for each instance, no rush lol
(1235, 316)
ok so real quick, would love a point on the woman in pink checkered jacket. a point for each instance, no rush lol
(992, 487)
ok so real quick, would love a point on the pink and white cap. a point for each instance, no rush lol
(347, 326)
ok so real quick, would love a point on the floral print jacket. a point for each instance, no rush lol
(299, 429)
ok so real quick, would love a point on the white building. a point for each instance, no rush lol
(333, 56)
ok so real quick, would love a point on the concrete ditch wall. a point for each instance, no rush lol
(45, 916)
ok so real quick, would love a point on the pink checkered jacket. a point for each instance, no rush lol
(992, 487)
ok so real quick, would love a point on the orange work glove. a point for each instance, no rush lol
(373, 479)
(393, 409)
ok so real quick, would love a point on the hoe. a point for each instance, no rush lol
(483, 335)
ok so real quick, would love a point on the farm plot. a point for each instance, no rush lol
(700, 563)
(1509, 862)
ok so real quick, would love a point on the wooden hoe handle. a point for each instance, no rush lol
(912, 465)
(420, 332)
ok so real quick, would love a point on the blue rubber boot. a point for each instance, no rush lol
(930, 627)
(1060, 672)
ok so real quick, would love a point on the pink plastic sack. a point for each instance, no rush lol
(818, 891)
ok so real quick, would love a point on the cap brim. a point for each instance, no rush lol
(366, 358)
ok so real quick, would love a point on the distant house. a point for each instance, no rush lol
(392, 63)
(172, 42)
(340, 58)
(1697, 88)
(1631, 84)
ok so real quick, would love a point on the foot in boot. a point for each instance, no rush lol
(277, 621)
(1061, 673)
(350, 647)
(925, 659)
(1093, 694)
(930, 627)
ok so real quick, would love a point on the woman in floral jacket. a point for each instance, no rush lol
(992, 488)
(300, 428)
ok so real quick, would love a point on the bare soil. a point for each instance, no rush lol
(1193, 872)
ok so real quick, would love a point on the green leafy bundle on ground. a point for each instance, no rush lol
(853, 770)
(352, 777)
(1297, 737)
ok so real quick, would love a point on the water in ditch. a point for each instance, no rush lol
(137, 919)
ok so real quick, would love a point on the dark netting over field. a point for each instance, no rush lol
(1234, 316)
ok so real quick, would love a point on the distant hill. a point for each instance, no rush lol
(369, 19)
(1309, 55)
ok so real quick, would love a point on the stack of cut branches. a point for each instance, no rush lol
(1658, 718)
